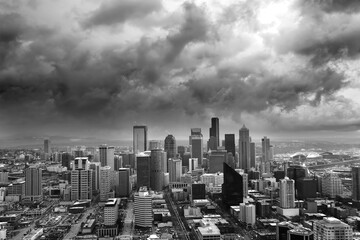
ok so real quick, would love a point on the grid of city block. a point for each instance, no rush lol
(180, 119)
(223, 187)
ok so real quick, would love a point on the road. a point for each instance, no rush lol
(74, 230)
(128, 227)
(21, 233)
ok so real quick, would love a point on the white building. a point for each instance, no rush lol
(287, 193)
(331, 228)
(143, 208)
(81, 179)
(111, 212)
(332, 185)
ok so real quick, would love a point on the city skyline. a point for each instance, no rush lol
(89, 69)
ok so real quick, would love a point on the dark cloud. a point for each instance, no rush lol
(113, 12)
(331, 6)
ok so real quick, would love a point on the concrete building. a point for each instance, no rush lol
(143, 208)
(216, 160)
(330, 228)
(124, 186)
(287, 193)
(111, 211)
(106, 155)
(139, 139)
(331, 185)
(154, 144)
(175, 170)
(157, 169)
(105, 182)
(81, 179)
(33, 184)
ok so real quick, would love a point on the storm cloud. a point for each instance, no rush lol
(77, 75)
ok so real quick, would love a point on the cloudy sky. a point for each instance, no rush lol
(89, 68)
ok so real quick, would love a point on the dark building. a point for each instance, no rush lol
(66, 160)
(296, 173)
(279, 175)
(198, 191)
(355, 173)
(282, 230)
(214, 130)
(170, 146)
(232, 188)
(181, 151)
(143, 170)
(253, 175)
(230, 143)
(252, 154)
(185, 159)
(306, 188)
(263, 209)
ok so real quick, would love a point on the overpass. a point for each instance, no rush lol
(334, 164)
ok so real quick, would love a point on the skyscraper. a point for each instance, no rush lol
(287, 193)
(332, 185)
(105, 179)
(107, 156)
(197, 144)
(216, 160)
(230, 143)
(355, 173)
(157, 169)
(123, 189)
(232, 188)
(47, 143)
(252, 154)
(175, 170)
(244, 148)
(170, 146)
(214, 130)
(154, 144)
(139, 139)
(265, 144)
(143, 208)
(143, 169)
(33, 184)
(81, 179)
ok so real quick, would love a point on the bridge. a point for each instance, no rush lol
(334, 164)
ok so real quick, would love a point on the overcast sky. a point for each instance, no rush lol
(89, 68)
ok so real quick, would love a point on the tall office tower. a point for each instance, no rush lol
(181, 151)
(139, 139)
(211, 144)
(250, 212)
(185, 159)
(216, 160)
(244, 148)
(157, 169)
(193, 164)
(66, 160)
(306, 188)
(143, 161)
(154, 144)
(355, 173)
(81, 179)
(4, 177)
(330, 228)
(230, 143)
(124, 188)
(107, 156)
(47, 148)
(265, 146)
(170, 146)
(331, 185)
(297, 173)
(118, 162)
(175, 170)
(111, 212)
(33, 184)
(245, 178)
(197, 144)
(143, 208)
(214, 131)
(105, 183)
(252, 155)
(232, 188)
(287, 193)
(95, 168)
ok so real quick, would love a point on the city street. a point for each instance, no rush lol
(76, 227)
(128, 227)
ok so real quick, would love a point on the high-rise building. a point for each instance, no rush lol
(197, 144)
(193, 164)
(123, 189)
(181, 151)
(95, 168)
(111, 212)
(216, 160)
(154, 144)
(330, 228)
(306, 188)
(265, 146)
(157, 169)
(66, 160)
(4, 177)
(139, 139)
(252, 154)
(331, 185)
(244, 148)
(198, 191)
(230, 143)
(118, 162)
(175, 170)
(143, 208)
(214, 131)
(245, 178)
(33, 184)
(143, 161)
(81, 179)
(47, 148)
(296, 172)
(105, 183)
(170, 146)
(355, 173)
(287, 193)
(107, 156)
(232, 188)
